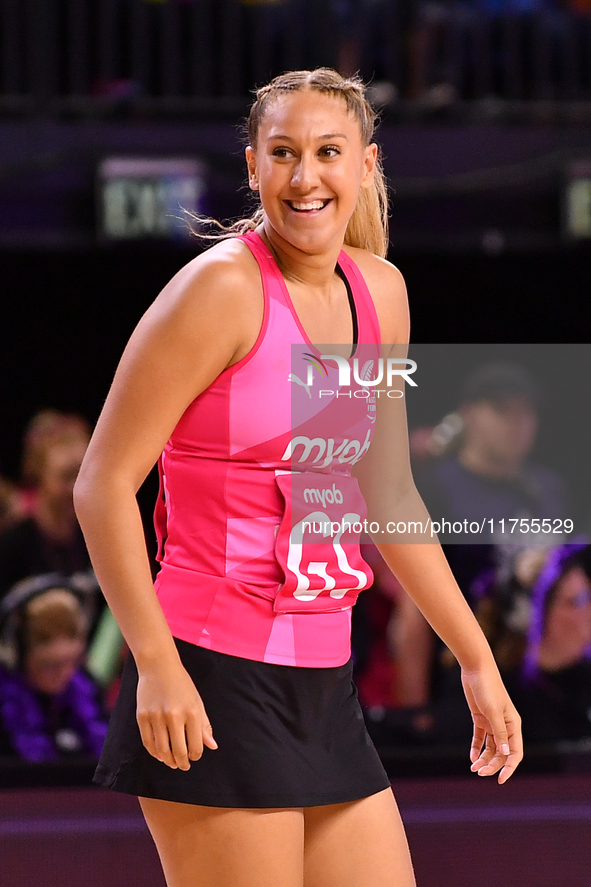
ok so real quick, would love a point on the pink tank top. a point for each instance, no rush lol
(255, 470)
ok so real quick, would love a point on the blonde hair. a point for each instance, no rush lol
(368, 226)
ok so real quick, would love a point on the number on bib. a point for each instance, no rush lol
(318, 550)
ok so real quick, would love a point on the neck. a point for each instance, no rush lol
(561, 651)
(56, 524)
(313, 269)
(555, 655)
(482, 463)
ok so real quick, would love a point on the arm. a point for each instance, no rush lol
(419, 564)
(205, 319)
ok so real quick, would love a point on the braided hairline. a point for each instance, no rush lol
(351, 89)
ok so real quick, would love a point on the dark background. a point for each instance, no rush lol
(477, 229)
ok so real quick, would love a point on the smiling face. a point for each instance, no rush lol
(308, 165)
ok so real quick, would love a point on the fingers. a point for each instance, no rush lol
(199, 732)
(174, 738)
(502, 750)
(490, 760)
(478, 740)
(178, 745)
(515, 748)
(162, 740)
(511, 763)
(147, 734)
(193, 736)
(208, 737)
(172, 720)
(496, 741)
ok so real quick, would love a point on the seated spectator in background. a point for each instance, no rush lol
(552, 690)
(50, 707)
(392, 649)
(10, 504)
(380, 617)
(503, 603)
(48, 538)
(488, 475)
(374, 672)
(490, 478)
(538, 623)
(44, 427)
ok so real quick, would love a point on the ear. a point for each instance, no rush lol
(251, 163)
(369, 165)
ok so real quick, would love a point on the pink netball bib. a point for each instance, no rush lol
(317, 544)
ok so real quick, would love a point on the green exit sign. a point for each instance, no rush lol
(148, 197)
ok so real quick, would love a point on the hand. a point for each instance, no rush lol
(496, 743)
(171, 716)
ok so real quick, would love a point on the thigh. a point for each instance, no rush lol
(358, 844)
(225, 846)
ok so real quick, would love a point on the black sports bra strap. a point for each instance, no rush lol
(352, 306)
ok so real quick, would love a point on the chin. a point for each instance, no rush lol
(312, 240)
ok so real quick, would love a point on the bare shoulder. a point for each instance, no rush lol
(225, 275)
(215, 298)
(388, 289)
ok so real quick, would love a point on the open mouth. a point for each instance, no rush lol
(300, 206)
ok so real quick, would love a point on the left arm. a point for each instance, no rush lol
(420, 566)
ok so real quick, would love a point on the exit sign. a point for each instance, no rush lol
(143, 197)
(577, 200)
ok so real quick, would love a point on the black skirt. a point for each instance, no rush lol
(287, 737)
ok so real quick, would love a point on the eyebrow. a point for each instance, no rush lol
(327, 135)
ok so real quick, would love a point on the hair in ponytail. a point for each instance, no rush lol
(368, 226)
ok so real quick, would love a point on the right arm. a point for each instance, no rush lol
(204, 320)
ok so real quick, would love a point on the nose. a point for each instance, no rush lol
(305, 174)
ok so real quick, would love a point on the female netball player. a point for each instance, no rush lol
(246, 638)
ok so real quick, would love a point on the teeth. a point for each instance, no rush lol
(315, 204)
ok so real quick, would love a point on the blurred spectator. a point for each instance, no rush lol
(10, 503)
(49, 705)
(388, 629)
(553, 688)
(48, 538)
(487, 477)
(503, 603)
(538, 622)
(490, 478)
(374, 673)
(45, 427)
